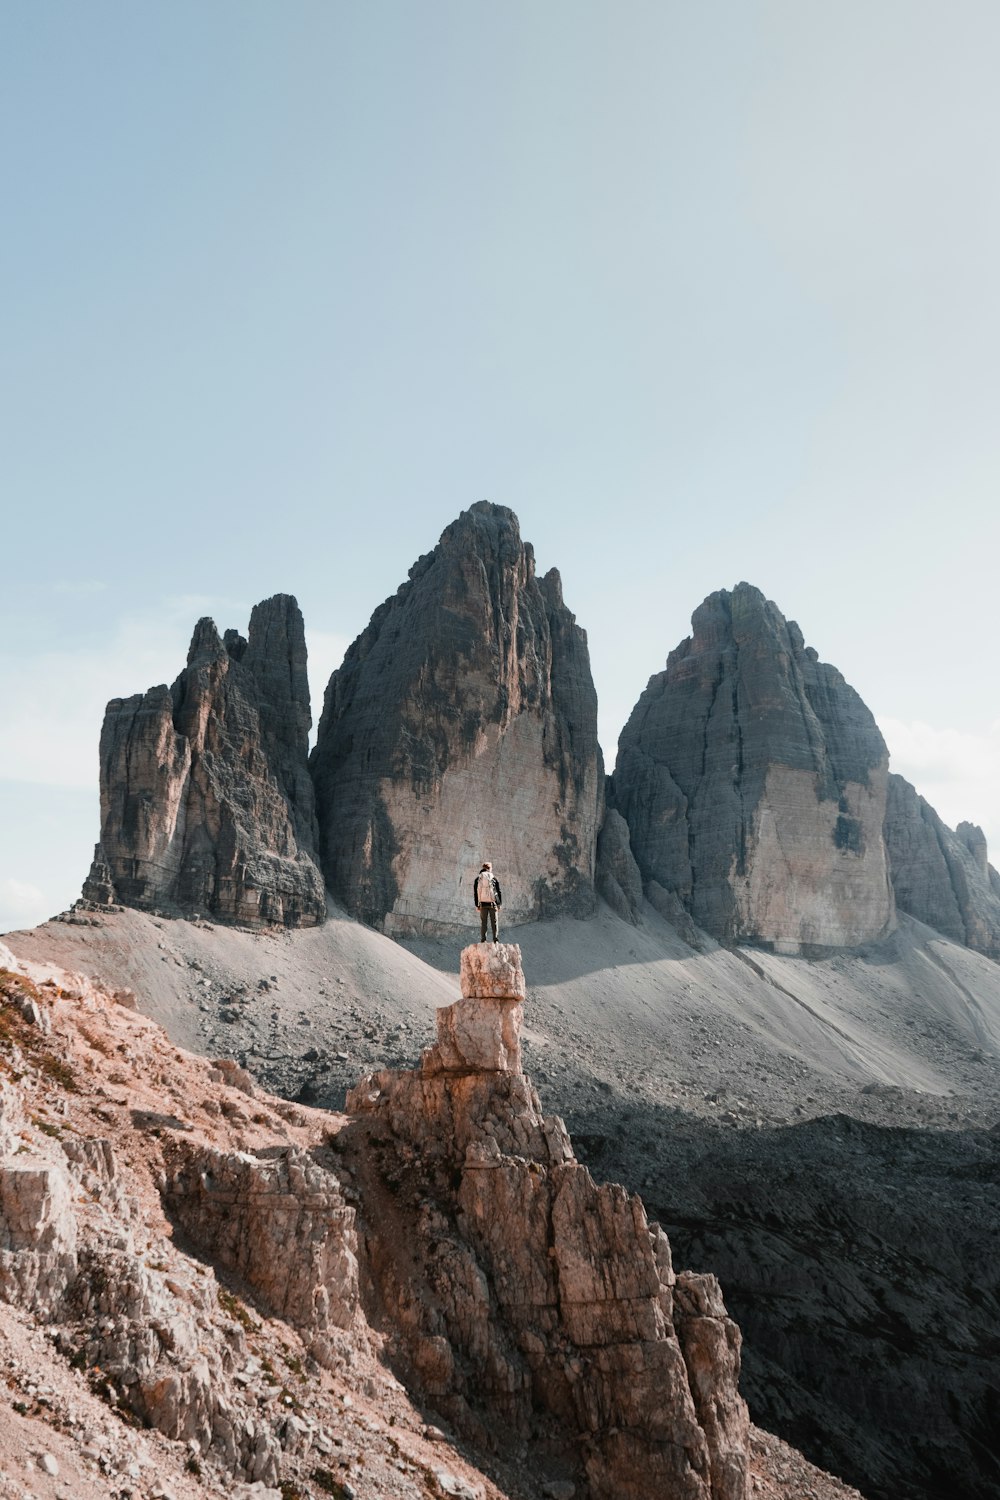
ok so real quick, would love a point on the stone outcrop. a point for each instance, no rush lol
(942, 877)
(536, 1309)
(281, 1225)
(206, 801)
(462, 726)
(37, 1234)
(753, 782)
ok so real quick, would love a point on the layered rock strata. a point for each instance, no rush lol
(942, 877)
(534, 1307)
(280, 1225)
(206, 801)
(753, 782)
(462, 726)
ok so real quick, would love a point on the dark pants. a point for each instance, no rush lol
(487, 912)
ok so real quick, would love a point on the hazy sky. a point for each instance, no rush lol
(703, 292)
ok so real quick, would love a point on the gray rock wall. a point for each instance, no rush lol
(206, 801)
(753, 782)
(462, 726)
(942, 877)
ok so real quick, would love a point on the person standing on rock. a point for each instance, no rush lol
(486, 895)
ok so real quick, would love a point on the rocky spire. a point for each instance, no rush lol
(941, 877)
(753, 781)
(537, 1310)
(462, 726)
(206, 801)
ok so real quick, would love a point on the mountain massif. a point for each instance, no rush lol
(751, 795)
(764, 995)
(206, 801)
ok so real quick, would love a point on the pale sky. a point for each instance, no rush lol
(704, 292)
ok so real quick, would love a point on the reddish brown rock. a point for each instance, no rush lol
(535, 1306)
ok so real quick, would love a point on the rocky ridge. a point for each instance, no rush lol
(753, 782)
(150, 1352)
(206, 800)
(462, 726)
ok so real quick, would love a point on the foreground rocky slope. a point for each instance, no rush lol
(206, 801)
(712, 1082)
(462, 726)
(186, 1303)
(753, 782)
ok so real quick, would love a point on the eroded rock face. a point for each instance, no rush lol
(482, 1031)
(280, 1224)
(753, 782)
(535, 1306)
(942, 877)
(37, 1234)
(461, 726)
(206, 801)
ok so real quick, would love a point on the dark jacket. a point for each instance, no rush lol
(497, 897)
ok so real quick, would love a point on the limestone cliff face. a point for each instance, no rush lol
(206, 800)
(753, 782)
(942, 877)
(532, 1306)
(462, 726)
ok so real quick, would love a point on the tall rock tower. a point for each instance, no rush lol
(753, 782)
(462, 726)
(206, 800)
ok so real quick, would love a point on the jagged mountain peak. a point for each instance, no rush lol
(462, 726)
(206, 801)
(752, 778)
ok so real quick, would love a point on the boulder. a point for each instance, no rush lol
(478, 1035)
(462, 726)
(206, 801)
(491, 971)
(753, 782)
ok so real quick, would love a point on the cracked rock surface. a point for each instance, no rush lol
(462, 726)
(753, 782)
(206, 801)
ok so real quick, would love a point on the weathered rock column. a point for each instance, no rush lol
(481, 1033)
(537, 1309)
